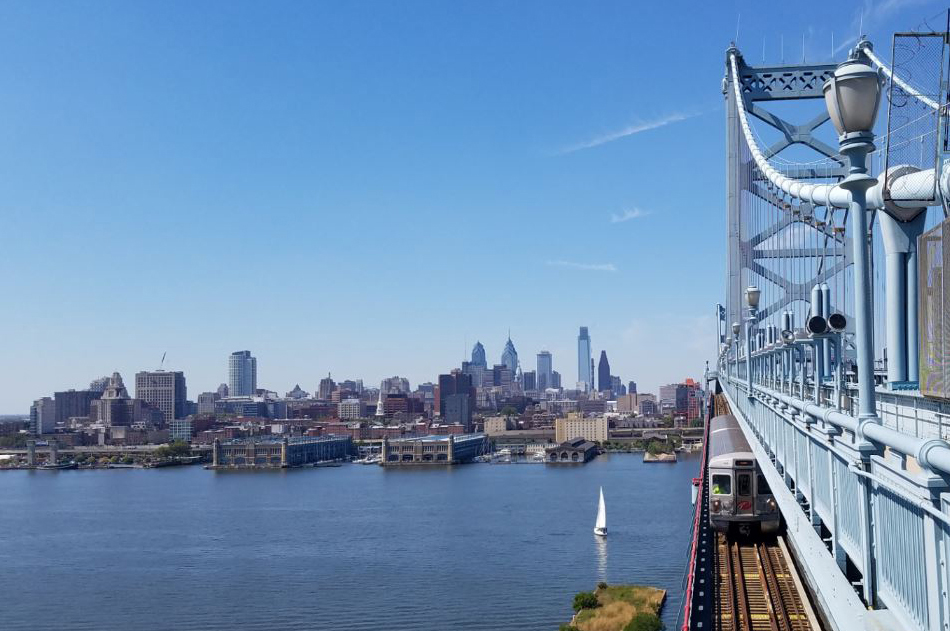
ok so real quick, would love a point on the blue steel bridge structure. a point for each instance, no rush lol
(834, 330)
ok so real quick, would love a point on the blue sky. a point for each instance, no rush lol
(366, 188)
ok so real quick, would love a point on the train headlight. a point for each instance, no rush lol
(716, 506)
(772, 506)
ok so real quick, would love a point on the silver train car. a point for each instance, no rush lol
(739, 495)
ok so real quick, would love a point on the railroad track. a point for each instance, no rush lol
(759, 589)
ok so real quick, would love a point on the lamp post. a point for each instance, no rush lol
(736, 329)
(852, 96)
(728, 349)
(752, 294)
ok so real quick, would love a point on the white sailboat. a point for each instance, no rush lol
(600, 526)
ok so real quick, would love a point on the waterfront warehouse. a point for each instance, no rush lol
(279, 452)
(433, 450)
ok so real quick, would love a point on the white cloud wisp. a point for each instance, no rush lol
(627, 215)
(590, 267)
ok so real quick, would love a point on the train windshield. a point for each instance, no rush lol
(721, 485)
(763, 485)
(744, 484)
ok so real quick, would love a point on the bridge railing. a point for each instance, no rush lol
(875, 493)
(906, 412)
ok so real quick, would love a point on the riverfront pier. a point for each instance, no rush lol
(275, 453)
(433, 450)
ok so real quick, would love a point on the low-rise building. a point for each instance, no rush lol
(495, 425)
(576, 425)
(349, 409)
(180, 430)
(574, 451)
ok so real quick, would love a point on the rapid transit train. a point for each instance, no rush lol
(739, 495)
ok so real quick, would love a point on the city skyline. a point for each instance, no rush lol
(374, 171)
(244, 363)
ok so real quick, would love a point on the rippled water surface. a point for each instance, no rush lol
(350, 548)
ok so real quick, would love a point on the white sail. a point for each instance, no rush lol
(600, 527)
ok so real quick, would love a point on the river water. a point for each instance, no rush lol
(349, 548)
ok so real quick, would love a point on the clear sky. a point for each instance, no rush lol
(367, 188)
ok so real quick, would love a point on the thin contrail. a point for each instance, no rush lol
(628, 131)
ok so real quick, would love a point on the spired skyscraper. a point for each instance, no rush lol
(509, 356)
(242, 374)
(478, 356)
(585, 372)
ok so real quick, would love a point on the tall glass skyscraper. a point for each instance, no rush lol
(545, 378)
(242, 374)
(585, 373)
(603, 373)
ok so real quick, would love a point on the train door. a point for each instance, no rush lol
(744, 494)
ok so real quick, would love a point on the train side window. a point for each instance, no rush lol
(744, 484)
(721, 485)
(762, 485)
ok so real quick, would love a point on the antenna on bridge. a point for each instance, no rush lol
(832, 45)
(738, 18)
(783, 47)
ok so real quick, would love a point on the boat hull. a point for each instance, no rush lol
(600, 532)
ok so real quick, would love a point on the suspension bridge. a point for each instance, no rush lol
(834, 340)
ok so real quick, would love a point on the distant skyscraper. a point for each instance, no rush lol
(223, 391)
(603, 372)
(116, 408)
(632, 387)
(585, 375)
(206, 402)
(164, 390)
(529, 380)
(43, 416)
(395, 385)
(509, 356)
(556, 380)
(616, 386)
(99, 385)
(478, 356)
(326, 388)
(242, 374)
(72, 403)
(545, 371)
(456, 398)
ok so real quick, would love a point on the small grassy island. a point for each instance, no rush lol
(618, 608)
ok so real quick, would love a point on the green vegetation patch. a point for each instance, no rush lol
(620, 608)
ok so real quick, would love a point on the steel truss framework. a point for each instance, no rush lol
(745, 264)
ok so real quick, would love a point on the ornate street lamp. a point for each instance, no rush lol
(853, 96)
